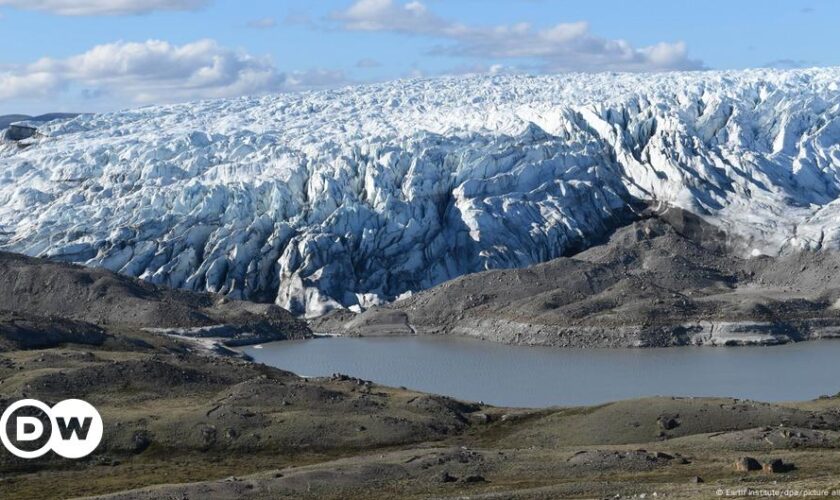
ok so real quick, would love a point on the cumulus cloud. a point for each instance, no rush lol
(34, 84)
(562, 47)
(385, 15)
(157, 71)
(103, 7)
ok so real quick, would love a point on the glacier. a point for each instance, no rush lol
(351, 197)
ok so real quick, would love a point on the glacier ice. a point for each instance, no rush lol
(352, 197)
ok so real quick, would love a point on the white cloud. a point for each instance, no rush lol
(157, 71)
(34, 84)
(263, 23)
(103, 7)
(562, 47)
(385, 15)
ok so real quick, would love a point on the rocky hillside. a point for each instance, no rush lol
(45, 303)
(667, 279)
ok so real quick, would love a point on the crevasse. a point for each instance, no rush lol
(351, 197)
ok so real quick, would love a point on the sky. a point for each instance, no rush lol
(102, 55)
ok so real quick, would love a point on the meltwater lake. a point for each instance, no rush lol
(522, 376)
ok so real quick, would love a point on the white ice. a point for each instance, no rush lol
(352, 197)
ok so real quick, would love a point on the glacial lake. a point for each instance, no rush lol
(521, 376)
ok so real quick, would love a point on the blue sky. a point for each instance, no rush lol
(98, 55)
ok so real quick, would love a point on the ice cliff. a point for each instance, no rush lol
(349, 197)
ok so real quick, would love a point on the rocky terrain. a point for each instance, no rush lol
(183, 425)
(353, 197)
(185, 422)
(43, 304)
(668, 278)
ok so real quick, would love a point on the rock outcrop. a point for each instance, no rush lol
(660, 281)
(45, 303)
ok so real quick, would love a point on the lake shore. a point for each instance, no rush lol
(181, 423)
(181, 420)
(532, 377)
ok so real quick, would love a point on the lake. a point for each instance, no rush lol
(524, 376)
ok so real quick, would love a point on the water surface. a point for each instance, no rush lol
(542, 376)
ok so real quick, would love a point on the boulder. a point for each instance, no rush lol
(480, 418)
(20, 131)
(668, 422)
(747, 464)
(446, 477)
(777, 466)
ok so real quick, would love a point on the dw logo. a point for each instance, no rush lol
(73, 428)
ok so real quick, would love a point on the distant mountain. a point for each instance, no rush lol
(6, 120)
